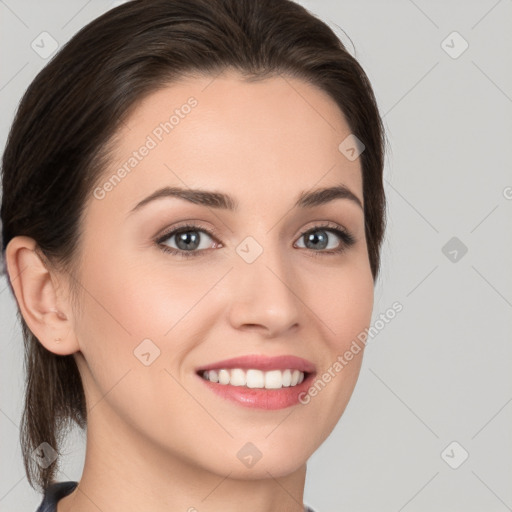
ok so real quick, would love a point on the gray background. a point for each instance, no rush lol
(437, 373)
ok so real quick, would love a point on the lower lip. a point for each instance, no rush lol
(261, 398)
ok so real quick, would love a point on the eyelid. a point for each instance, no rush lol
(190, 225)
(319, 224)
(193, 224)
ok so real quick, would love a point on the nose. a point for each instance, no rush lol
(265, 294)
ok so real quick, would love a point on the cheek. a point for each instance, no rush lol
(343, 300)
(131, 317)
(131, 309)
(344, 304)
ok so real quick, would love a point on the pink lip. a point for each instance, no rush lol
(263, 363)
(261, 398)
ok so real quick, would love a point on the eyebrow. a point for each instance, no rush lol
(219, 200)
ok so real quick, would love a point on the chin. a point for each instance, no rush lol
(279, 455)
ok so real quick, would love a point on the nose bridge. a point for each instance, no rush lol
(264, 279)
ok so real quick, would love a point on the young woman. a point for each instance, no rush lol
(192, 212)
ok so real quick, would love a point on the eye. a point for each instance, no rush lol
(188, 241)
(318, 239)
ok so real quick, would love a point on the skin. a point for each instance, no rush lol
(156, 434)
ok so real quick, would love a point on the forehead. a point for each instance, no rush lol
(256, 140)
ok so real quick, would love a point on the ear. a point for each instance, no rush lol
(47, 315)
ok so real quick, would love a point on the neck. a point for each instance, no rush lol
(123, 473)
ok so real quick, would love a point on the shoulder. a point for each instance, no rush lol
(53, 493)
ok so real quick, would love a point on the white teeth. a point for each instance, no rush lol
(224, 377)
(273, 379)
(237, 377)
(255, 379)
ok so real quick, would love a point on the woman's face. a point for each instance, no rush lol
(253, 284)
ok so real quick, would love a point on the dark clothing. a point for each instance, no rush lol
(54, 493)
(58, 490)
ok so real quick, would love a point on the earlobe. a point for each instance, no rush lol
(35, 287)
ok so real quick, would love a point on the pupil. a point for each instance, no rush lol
(314, 237)
(187, 238)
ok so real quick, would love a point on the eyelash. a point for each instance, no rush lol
(347, 240)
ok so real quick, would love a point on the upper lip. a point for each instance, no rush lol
(261, 362)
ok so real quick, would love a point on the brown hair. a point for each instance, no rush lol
(59, 142)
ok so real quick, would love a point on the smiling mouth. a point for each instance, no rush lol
(254, 378)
